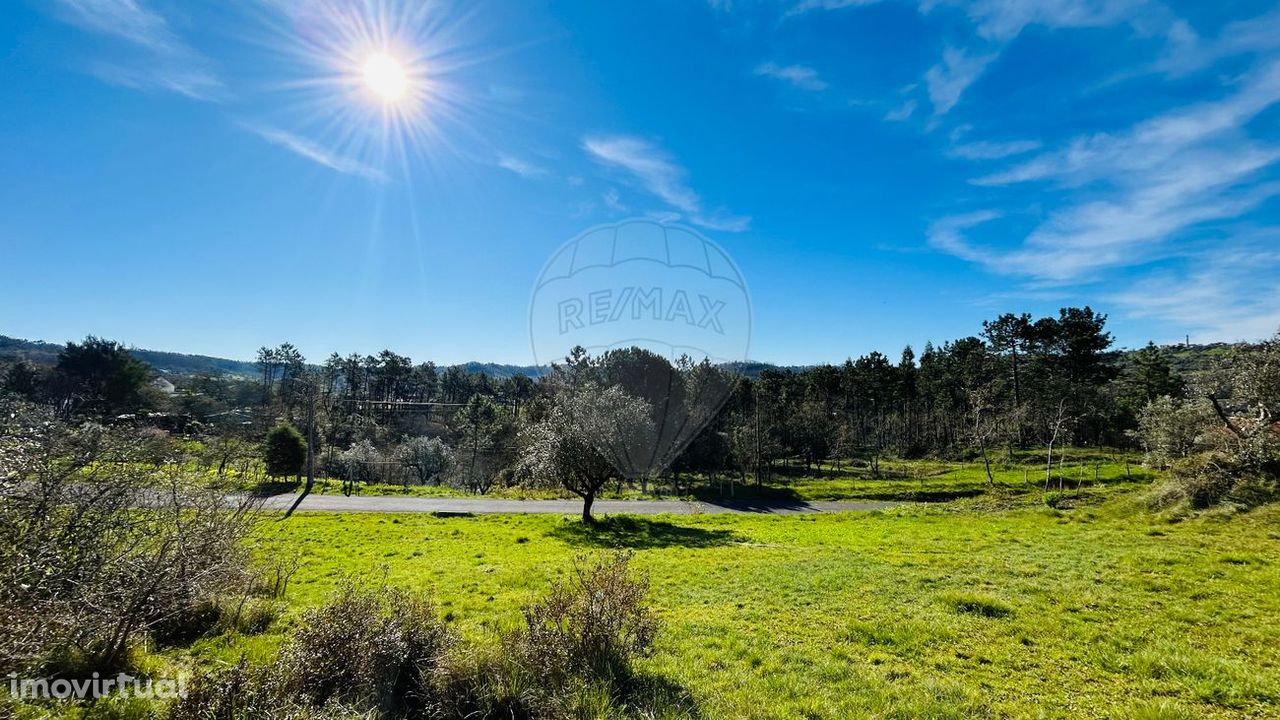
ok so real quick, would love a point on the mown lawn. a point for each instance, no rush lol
(917, 612)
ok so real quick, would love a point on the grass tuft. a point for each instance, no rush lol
(970, 603)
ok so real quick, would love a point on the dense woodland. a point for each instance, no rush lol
(1021, 382)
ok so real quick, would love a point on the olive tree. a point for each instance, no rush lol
(589, 434)
(1169, 428)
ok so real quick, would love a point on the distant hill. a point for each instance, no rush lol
(164, 363)
(171, 363)
(1186, 359)
(498, 371)
(1191, 359)
(749, 369)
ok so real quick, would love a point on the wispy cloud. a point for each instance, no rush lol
(658, 173)
(1123, 197)
(800, 76)
(947, 234)
(902, 112)
(1220, 296)
(523, 168)
(613, 201)
(1151, 142)
(314, 152)
(947, 80)
(164, 61)
(807, 5)
(1188, 52)
(1001, 20)
(995, 23)
(987, 150)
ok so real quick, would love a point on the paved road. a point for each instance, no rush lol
(394, 504)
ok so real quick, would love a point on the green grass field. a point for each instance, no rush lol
(942, 611)
(1021, 475)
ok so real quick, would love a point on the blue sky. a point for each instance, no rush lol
(212, 177)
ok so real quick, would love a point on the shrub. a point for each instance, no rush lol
(384, 653)
(1171, 429)
(188, 624)
(285, 451)
(592, 626)
(367, 648)
(245, 692)
(95, 549)
(364, 653)
(573, 657)
(1241, 472)
(1225, 445)
(1055, 499)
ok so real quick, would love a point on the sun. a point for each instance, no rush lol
(385, 77)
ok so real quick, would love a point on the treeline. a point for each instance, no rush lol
(1020, 382)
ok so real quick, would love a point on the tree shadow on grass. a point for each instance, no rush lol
(657, 696)
(628, 531)
(938, 495)
(754, 498)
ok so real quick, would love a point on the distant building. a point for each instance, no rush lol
(163, 386)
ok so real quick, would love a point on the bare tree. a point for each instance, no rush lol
(95, 550)
(1055, 425)
(988, 424)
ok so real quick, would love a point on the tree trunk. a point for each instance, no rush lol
(1048, 468)
(587, 500)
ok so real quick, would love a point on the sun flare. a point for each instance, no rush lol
(385, 77)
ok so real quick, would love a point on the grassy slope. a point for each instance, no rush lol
(917, 612)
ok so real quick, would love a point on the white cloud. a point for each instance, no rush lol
(1003, 20)
(807, 5)
(805, 78)
(1151, 142)
(520, 167)
(1222, 296)
(659, 174)
(613, 201)
(947, 234)
(902, 112)
(1125, 196)
(311, 151)
(1190, 53)
(947, 80)
(996, 23)
(167, 63)
(986, 150)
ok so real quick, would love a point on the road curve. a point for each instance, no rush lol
(394, 504)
